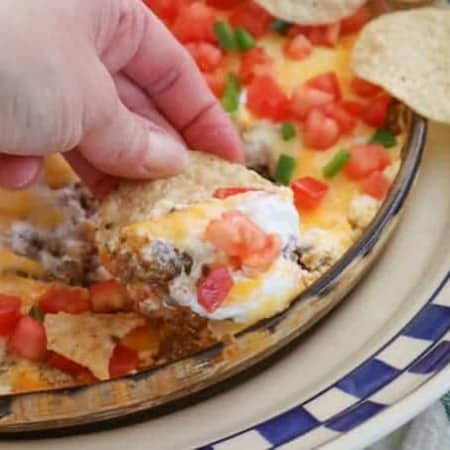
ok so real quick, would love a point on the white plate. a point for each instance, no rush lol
(409, 367)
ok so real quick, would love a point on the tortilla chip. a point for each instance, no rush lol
(89, 339)
(408, 54)
(311, 12)
(134, 202)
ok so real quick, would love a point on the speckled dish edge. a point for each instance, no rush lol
(151, 389)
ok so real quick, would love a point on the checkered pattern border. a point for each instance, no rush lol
(419, 351)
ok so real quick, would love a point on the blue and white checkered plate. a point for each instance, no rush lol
(376, 362)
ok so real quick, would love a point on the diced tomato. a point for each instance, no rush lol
(376, 185)
(252, 17)
(327, 35)
(375, 113)
(28, 339)
(243, 241)
(267, 100)
(298, 48)
(346, 121)
(305, 98)
(321, 132)
(64, 364)
(327, 82)
(207, 56)
(366, 159)
(9, 313)
(59, 299)
(214, 288)
(356, 21)
(364, 88)
(263, 259)
(352, 107)
(308, 192)
(108, 296)
(216, 82)
(224, 4)
(235, 235)
(167, 10)
(195, 23)
(294, 30)
(230, 191)
(256, 62)
(123, 361)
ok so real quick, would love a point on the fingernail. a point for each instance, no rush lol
(19, 172)
(166, 156)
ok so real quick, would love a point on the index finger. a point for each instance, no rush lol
(165, 70)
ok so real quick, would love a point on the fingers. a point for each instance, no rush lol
(137, 101)
(170, 77)
(99, 183)
(19, 172)
(130, 146)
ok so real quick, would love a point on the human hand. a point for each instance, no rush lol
(105, 83)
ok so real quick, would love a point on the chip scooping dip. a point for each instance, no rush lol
(408, 54)
(311, 12)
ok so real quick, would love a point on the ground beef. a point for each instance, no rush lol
(67, 252)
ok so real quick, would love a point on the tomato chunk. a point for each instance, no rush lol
(263, 259)
(356, 21)
(64, 364)
(364, 88)
(254, 63)
(306, 98)
(308, 192)
(326, 35)
(108, 296)
(28, 339)
(346, 121)
(252, 17)
(321, 132)
(366, 159)
(230, 191)
(213, 289)
(243, 241)
(267, 100)
(9, 313)
(352, 107)
(298, 48)
(195, 24)
(216, 82)
(235, 234)
(375, 113)
(327, 82)
(59, 299)
(123, 361)
(207, 56)
(376, 185)
(167, 10)
(224, 4)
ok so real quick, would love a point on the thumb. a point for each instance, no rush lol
(130, 146)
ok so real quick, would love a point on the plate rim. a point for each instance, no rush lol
(389, 425)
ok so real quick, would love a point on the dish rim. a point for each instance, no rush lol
(389, 210)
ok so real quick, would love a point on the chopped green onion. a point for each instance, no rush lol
(336, 164)
(230, 98)
(225, 35)
(285, 169)
(244, 39)
(281, 26)
(384, 137)
(36, 313)
(287, 131)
